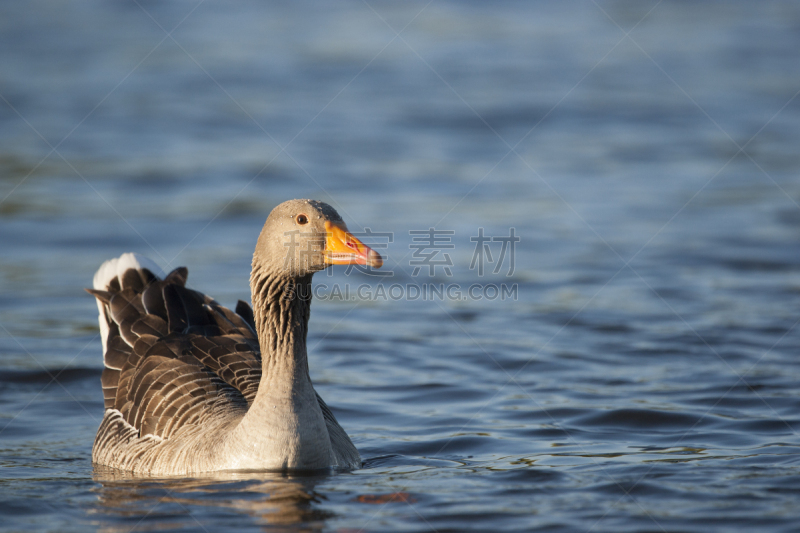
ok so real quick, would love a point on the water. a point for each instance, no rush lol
(645, 378)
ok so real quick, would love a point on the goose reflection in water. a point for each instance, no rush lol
(158, 503)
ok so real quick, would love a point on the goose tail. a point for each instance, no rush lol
(129, 269)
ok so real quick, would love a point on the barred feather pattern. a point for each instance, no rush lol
(178, 368)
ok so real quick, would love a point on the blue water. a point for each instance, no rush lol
(644, 374)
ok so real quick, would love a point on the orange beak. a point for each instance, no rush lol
(341, 248)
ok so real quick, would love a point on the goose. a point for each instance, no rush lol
(191, 386)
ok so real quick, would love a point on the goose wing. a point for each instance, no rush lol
(173, 356)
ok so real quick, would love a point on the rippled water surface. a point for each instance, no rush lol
(644, 374)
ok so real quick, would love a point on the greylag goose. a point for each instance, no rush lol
(191, 386)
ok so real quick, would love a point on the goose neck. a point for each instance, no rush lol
(281, 308)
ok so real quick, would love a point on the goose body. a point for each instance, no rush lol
(191, 386)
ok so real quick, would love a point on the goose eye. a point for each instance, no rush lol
(302, 219)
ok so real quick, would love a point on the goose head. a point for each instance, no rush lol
(301, 237)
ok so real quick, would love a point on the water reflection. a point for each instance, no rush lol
(275, 500)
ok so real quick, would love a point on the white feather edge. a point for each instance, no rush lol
(116, 268)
